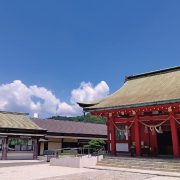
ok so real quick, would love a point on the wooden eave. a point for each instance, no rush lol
(24, 131)
(134, 105)
(153, 88)
(74, 134)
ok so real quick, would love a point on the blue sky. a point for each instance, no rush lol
(60, 44)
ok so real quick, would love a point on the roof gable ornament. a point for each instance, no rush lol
(169, 109)
(110, 114)
(133, 112)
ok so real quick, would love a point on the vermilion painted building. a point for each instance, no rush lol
(143, 116)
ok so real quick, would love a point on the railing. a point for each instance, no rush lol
(74, 152)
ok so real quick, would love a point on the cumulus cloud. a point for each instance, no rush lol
(86, 92)
(17, 96)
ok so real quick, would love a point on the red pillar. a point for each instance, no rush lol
(108, 137)
(174, 133)
(137, 136)
(113, 138)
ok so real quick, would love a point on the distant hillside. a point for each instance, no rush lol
(86, 118)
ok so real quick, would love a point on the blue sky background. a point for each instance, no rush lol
(59, 44)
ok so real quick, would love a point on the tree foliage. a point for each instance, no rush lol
(86, 118)
(95, 144)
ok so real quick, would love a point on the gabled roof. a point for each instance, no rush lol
(14, 120)
(70, 127)
(158, 87)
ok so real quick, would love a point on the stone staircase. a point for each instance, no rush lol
(156, 164)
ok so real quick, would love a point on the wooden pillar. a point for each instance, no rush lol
(113, 137)
(62, 143)
(174, 133)
(4, 148)
(35, 148)
(137, 136)
(108, 137)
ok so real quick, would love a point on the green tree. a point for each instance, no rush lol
(87, 118)
(95, 144)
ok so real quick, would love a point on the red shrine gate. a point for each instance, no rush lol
(143, 116)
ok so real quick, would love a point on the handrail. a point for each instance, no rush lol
(102, 149)
(78, 151)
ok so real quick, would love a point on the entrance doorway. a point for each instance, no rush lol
(164, 142)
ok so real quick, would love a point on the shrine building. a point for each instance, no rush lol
(143, 116)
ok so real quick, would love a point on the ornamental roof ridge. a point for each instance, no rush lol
(157, 87)
(15, 113)
(152, 73)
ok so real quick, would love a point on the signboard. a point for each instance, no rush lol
(122, 147)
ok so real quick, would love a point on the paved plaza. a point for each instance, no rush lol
(43, 171)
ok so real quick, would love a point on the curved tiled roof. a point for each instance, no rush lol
(16, 121)
(70, 127)
(157, 87)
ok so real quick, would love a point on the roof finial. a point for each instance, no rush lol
(126, 78)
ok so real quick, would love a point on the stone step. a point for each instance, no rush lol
(154, 164)
(172, 165)
(147, 163)
(144, 159)
(140, 167)
(142, 163)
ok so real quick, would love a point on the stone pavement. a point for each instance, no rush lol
(18, 161)
(37, 171)
(114, 175)
(103, 175)
(11, 163)
(47, 172)
(141, 171)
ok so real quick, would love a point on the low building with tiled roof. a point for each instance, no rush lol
(25, 138)
(69, 134)
(18, 136)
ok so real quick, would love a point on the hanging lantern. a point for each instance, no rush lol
(145, 129)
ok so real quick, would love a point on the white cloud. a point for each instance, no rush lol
(17, 96)
(86, 92)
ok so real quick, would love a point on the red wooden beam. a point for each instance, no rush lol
(145, 118)
(140, 110)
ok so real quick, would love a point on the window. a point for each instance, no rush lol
(45, 145)
(19, 144)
